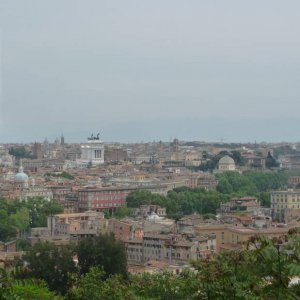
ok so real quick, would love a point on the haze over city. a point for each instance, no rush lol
(150, 70)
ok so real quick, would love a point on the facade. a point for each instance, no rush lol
(283, 200)
(120, 229)
(92, 152)
(174, 248)
(102, 198)
(294, 181)
(290, 162)
(146, 210)
(36, 164)
(229, 237)
(116, 154)
(134, 250)
(255, 161)
(109, 198)
(77, 225)
(36, 191)
(204, 181)
(247, 204)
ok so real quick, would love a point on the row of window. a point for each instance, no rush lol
(284, 206)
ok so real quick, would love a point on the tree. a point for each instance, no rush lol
(32, 290)
(138, 198)
(21, 218)
(93, 285)
(238, 158)
(19, 152)
(102, 251)
(224, 186)
(122, 212)
(51, 263)
(166, 286)
(39, 209)
(271, 162)
(265, 199)
(7, 232)
(25, 289)
(277, 261)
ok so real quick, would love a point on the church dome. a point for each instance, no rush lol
(226, 160)
(21, 176)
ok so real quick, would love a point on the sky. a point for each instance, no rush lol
(150, 70)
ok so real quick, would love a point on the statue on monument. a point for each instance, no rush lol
(93, 138)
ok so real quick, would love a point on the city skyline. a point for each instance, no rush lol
(150, 71)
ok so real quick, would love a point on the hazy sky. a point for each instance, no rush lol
(150, 70)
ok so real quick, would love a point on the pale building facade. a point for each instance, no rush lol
(92, 152)
(282, 201)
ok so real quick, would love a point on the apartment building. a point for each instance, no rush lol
(236, 237)
(170, 248)
(281, 201)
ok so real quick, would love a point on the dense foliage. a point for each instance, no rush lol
(183, 201)
(24, 289)
(251, 182)
(263, 271)
(179, 202)
(50, 263)
(20, 152)
(63, 174)
(103, 250)
(56, 266)
(16, 217)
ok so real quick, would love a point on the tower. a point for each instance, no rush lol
(37, 151)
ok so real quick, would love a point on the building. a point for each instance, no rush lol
(294, 181)
(174, 248)
(71, 226)
(115, 154)
(281, 201)
(226, 163)
(255, 161)
(204, 181)
(246, 204)
(36, 191)
(146, 210)
(125, 229)
(108, 198)
(230, 237)
(134, 250)
(290, 162)
(35, 164)
(92, 152)
(37, 151)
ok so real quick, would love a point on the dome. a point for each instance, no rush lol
(226, 160)
(21, 176)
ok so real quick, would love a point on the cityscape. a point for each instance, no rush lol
(167, 203)
(149, 150)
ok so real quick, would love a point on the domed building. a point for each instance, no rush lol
(21, 179)
(226, 163)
